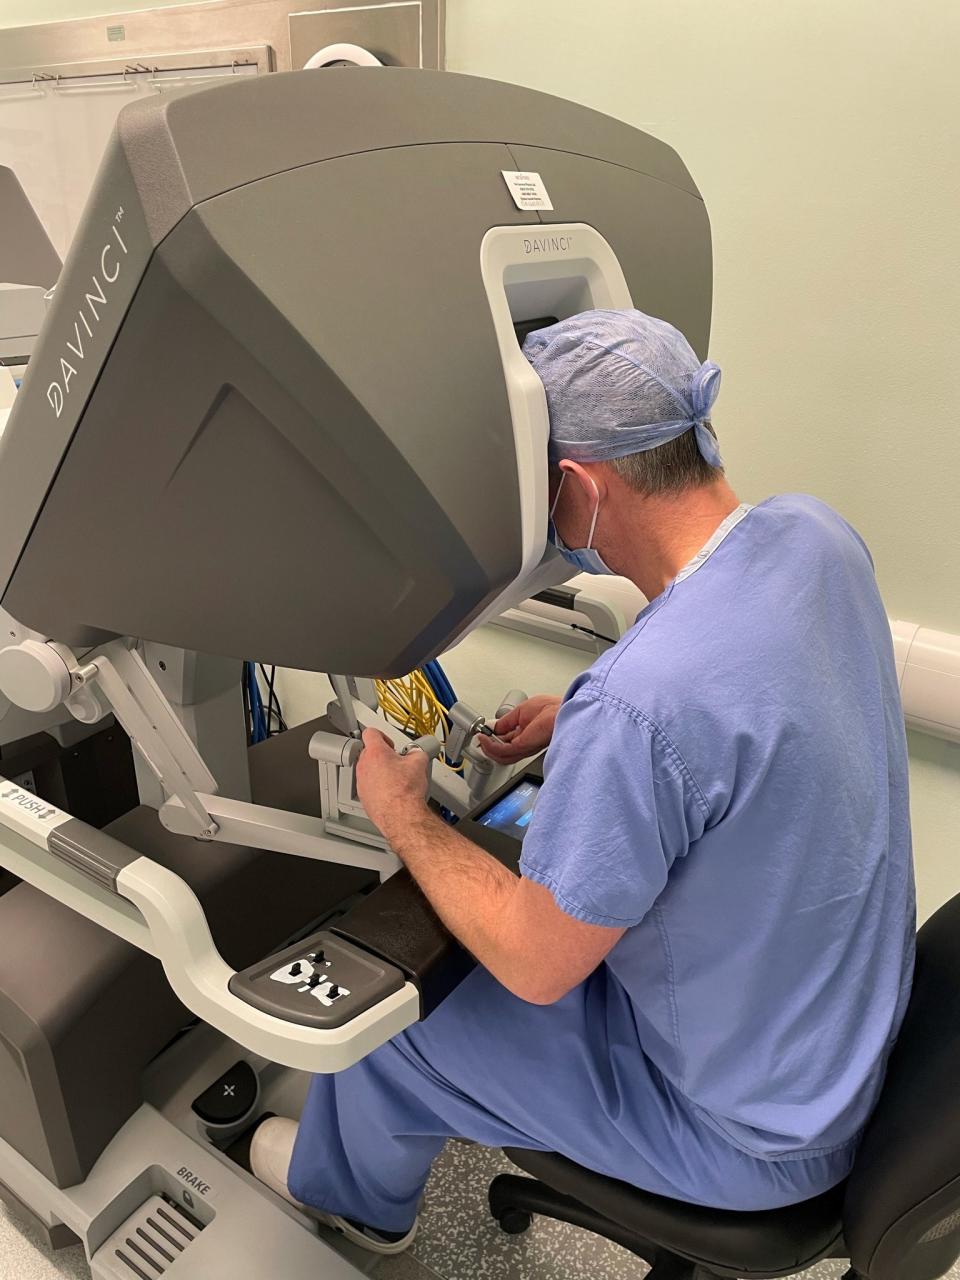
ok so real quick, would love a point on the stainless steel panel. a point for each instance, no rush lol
(225, 24)
(157, 68)
(26, 254)
(391, 32)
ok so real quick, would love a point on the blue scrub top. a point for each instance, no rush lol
(729, 783)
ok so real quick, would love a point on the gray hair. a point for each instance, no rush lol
(673, 467)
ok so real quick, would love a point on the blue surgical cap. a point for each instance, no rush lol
(621, 382)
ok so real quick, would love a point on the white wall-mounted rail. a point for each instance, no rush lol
(928, 664)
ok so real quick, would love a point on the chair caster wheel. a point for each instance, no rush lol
(514, 1221)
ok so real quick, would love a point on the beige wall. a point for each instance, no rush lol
(822, 134)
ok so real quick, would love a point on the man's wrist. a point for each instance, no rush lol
(409, 824)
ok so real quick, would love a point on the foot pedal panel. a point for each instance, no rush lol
(149, 1243)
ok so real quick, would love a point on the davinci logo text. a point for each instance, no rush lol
(89, 315)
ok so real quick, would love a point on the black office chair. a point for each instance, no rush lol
(897, 1217)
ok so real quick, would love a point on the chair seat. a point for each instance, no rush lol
(767, 1242)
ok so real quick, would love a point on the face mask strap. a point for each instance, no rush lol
(563, 476)
(596, 513)
(596, 510)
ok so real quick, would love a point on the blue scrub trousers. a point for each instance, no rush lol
(488, 1067)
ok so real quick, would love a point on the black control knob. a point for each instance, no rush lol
(319, 957)
(314, 981)
(296, 970)
(334, 991)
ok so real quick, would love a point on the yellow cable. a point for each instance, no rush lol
(411, 704)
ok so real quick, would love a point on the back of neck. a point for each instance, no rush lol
(661, 534)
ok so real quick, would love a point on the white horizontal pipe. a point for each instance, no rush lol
(928, 664)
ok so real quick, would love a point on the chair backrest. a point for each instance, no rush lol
(902, 1211)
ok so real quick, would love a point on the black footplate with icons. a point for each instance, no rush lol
(323, 981)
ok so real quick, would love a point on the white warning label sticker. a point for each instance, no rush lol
(527, 189)
(27, 814)
(28, 803)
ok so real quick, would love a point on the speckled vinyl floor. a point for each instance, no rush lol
(458, 1240)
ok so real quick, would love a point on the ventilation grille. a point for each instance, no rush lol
(943, 1228)
(149, 1242)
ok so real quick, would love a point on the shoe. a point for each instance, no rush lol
(271, 1150)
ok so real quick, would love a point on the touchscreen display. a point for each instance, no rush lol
(511, 814)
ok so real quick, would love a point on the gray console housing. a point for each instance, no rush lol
(82, 1012)
(267, 415)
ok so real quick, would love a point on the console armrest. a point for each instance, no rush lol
(397, 923)
(93, 852)
(155, 909)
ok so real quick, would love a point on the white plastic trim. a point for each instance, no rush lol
(511, 258)
(199, 976)
(343, 52)
(27, 814)
(929, 679)
(34, 673)
(23, 850)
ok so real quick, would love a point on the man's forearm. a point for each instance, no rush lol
(470, 891)
(513, 926)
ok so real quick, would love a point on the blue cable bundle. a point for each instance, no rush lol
(441, 686)
(258, 720)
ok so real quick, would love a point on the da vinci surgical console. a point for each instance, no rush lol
(279, 409)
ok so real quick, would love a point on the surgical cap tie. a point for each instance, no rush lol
(620, 382)
(703, 394)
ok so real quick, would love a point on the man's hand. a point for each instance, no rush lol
(392, 788)
(524, 731)
(513, 927)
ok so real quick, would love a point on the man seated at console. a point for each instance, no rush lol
(697, 979)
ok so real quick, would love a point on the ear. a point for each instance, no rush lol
(590, 476)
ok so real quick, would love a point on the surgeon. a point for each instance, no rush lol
(696, 981)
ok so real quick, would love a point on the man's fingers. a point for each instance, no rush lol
(508, 723)
(502, 752)
(530, 737)
(418, 761)
(528, 741)
(377, 740)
